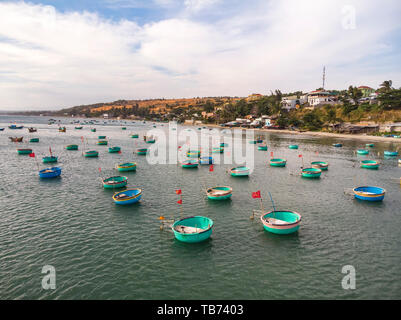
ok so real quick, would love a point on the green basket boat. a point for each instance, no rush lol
(78, 128)
(363, 152)
(278, 163)
(101, 137)
(72, 147)
(193, 229)
(33, 140)
(125, 167)
(151, 141)
(142, 152)
(262, 148)
(240, 172)
(370, 145)
(253, 142)
(102, 142)
(311, 173)
(370, 164)
(218, 150)
(190, 164)
(134, 136)
(50, 159)
(24, 151)
(93, 130)
(219, 193)
(324, 166)
(91, 154)
(114, 149)
(293, 146)
(123, 128)
(193, 153)
(115, 182)
(281, 222)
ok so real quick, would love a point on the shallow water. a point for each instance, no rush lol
(104, 251)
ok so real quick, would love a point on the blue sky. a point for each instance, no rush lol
(61, 53)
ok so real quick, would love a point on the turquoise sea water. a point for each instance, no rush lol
(104, 251)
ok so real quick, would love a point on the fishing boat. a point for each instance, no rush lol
(253, 142)
(14, 127)
(281, 222)
(123, 128)
(390, 153)
(190, 163)
(240, 172)
(72, 147)
(324, 166)
(311, 173)
(278, 163)
(219, 193)
(193, 153)
(114, 149)
(218, 150)
(91, 154)
(151, 140)
(78, 128)
(102, 142)
(101, 137)
(369, 193)
(370, 145)
(34, 140)
(337, 145)
(15, 139)
(115, 182)
(49, 159)
(62, 129)
(93, 130)
(124, 167)
(142, 152)
(32, 130)
(205, 160)
(2, 129)
(193, 229)
(24, 151)
(370, 164)
(135, 136)
(293, 146)
(129, 196)
(262, 147)
(363, 152)
(50, 173)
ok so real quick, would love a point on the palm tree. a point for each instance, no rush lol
(386, 86)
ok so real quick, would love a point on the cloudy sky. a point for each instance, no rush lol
(62, 53)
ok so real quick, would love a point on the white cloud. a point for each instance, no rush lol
(50, 59)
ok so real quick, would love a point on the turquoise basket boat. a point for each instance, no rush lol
(262, 148)
(369, 193)
(50, 173)
(293, 147)
(193, 229)
(370, 164)
(281, 222)
(206, 160)
(51, 159)
(218, 150)
(324, 166)
(222, 145)
(311, 173)
(78, 128)
(123, 128)
(370, 145)
(134, 136)
(126, 197)
(101, 137)
(337, 145)
(72, 147)
(34, 140)
(253, 142)
(363, 152)
(188, 164)
(280, 163)
(240, 172)
(114, 149)
(102, 142)
(125, 167)
(390, 153)
(219, 193)
(142, 152)
(24, 151)
(151, 141)
(115, 182)
(93, 130)
(193, 154)
(91, 154)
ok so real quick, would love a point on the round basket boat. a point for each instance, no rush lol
(278, 163)
(324, 166)
(34, 140)
(91, 154)
(240, 172)
(188, 164)
(262, 148)
(311, 173)
(93, 130)
(253, 142)
(63, 129)
(101, 137)
(50, 159)
(114, 149)
(390, 153)
(223, 145)
(370, 145)
(24, 151)
(125, 167)
(369, 193)
(129, 196)
(115, 182)
(50, 173)
(78, 128)
(370, 164)
(102, 142)
(218, 150)
(293, 146)
(363, 152)
(151, 141)
(193, 154)
(206, 160)
(337, 145)
(123, 128)
(142, 152)
(134, 136)
(193, 229)
(219, 193)
(72, 147)
(281, 222)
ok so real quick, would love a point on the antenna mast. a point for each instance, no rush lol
(324, 76)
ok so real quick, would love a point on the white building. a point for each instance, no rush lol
(105, 116)
(289, 103)
(320, 98)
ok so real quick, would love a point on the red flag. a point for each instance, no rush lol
(271, 154)
(300, 156)
(82, 138)
(119, 152)
(256, 195)
(179, 201)
(211, 168)
(100, 169)
(179, 191)
(32, 155)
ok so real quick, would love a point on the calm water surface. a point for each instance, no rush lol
(104, 251)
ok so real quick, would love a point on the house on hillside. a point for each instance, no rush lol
(254, 97)
(291, 102)
(320, 98)
(366, 91)
(391, 127)
(105, 116)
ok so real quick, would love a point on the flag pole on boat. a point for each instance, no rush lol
(257, 195)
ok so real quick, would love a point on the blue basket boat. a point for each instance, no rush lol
(369, 193)
(48, 173)
(206, 160)
(337, 145)
(13, 127)
(390, 153)
(193, 229)
(129, 196)
(281, 222)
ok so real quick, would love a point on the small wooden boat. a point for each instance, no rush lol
(34, 140)
(15, 139)
(278, 163)
(324, 166)
(93, 130)
(72, 147)
(101, 137)
(206, 160)
(218, 150)
(50, 173)
(49, 159)
(14, 127)
(363, 152)
(129, 196)
(370, 145)
(142, 152)
(91, 154)
(32, 130)
(390, 153)
(311, 173)
(190, 164)
(135, 136)
(78, 128)
(124, 167)
(262, 147)
(240, 172)
(293, 146)
(193, 154)
(193, 229)
(369, 193)
(370, 164)
(24, 151)
(281, 222)
(115, 182)
(62, 129)
(123, 128)
(219, 193)
(114, 149)
(337, 145)
(102, 142)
